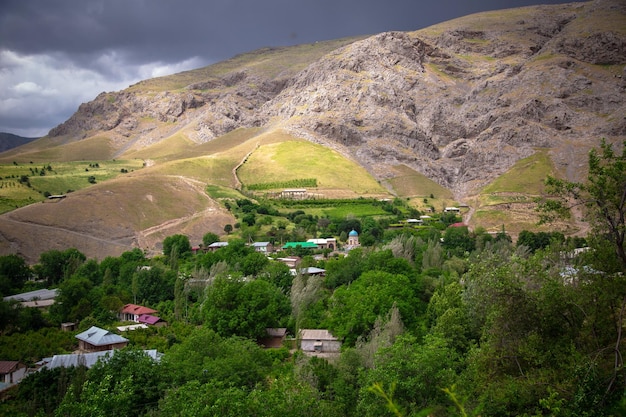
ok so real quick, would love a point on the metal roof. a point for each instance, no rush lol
(306, 245)
(43, 294)
(316, 334)
(89, 359)
(100, 337)
(148, 318)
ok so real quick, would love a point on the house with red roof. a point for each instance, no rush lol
(140, 314)
(132, 312)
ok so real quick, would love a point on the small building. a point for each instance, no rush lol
(216, 245)
(327, 243)
(131, 312)
(304, 245)
(318, 341)
(263, 247)
(415, 222)
(11, 372)
(353, 238)
(96, 339)
(89, 359)
(452, 210)
(311, 270)
(294, 193)
(274, 338)
(43, 298)
(290, 261)
(69, 326)
(151, 320)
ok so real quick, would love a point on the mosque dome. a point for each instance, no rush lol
(353, 233)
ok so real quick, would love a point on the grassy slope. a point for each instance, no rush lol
(407, 182)
(96, 148)
(509, 199)
(298, 159)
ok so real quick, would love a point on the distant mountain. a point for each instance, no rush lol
(459, 103)
(10, 141)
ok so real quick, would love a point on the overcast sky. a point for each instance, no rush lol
(57, 54)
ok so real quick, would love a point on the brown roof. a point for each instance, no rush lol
(316, 334)
(6, 367)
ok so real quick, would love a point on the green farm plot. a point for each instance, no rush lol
(338, 209)
(26, 183)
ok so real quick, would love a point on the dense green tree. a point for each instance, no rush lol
(355, 308)
(176, 247)
(40, 393)
(205, 356)
(253, 264)
(55, 265)
(209, 238)
(14, 272)
(418, 371)
(344, 270)
(244, 308)
(457, 240)
(153, 284)
(278, 274)
(72, 302)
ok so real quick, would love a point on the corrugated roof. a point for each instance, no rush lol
(137, 309)
(148, 318)
(43, 294)
(218, 244)
(89, 359)
(7, 367)
(316, 334)
(100, 337)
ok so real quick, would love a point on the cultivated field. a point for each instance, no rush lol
(26, 183)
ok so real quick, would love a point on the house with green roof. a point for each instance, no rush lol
(304, 245)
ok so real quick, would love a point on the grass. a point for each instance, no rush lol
(221, 193)
(297, 159)
(62, 176)
(410, 183)
(94, 148)
(525, 177)
(164, 149)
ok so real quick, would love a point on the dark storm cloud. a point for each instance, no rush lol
(55, 54)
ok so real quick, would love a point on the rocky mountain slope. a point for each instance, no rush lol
(459, 102)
